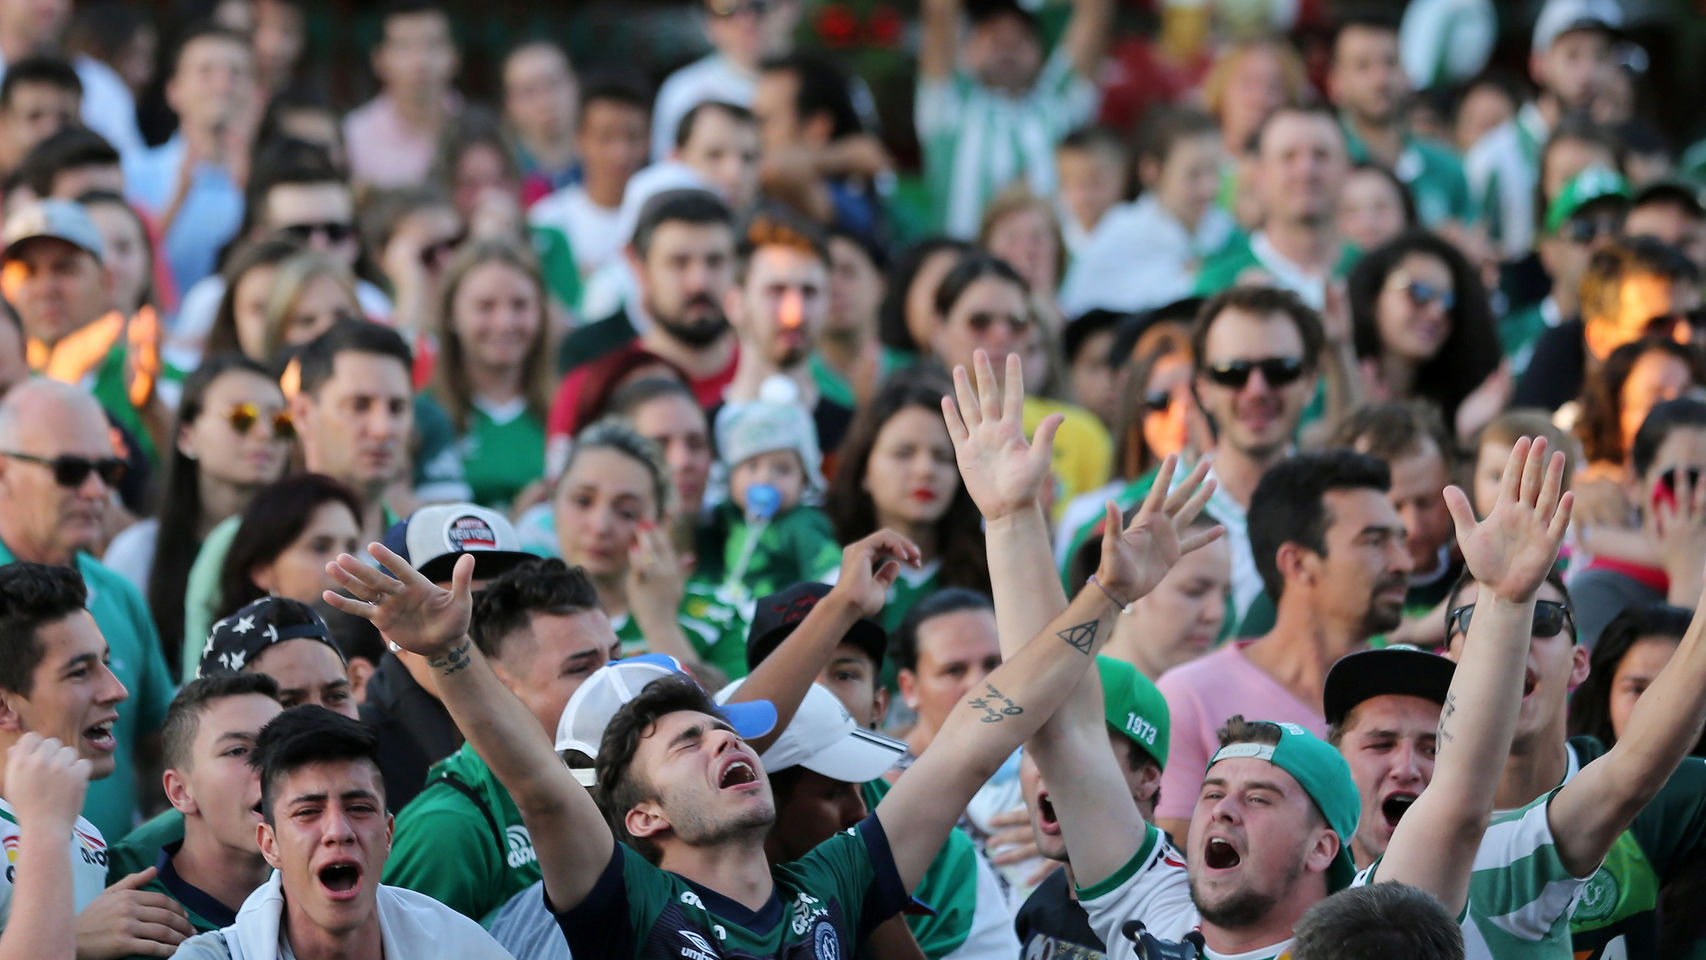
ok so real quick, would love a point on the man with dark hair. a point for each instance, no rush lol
(1330, 549)
(31, 29)
(816, 156)
(55, 681)
(1092, 165)
(1411, 439)
(610, 139)
(1368, 85)
(1670, 212)
(742, 33)
(683, 257)
(57, 476)
(1379, 922)
(462, 840)
(1300, 165)
(1586, 216)
(1632, 288)
(393, 138)
(689, 800)
(70, 163)
(325, 833)
(213, 864)
(193, 182)
(990, 108)
(39, 97)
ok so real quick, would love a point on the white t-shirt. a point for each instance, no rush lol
(1152, 888)
(594, 232)
(88, 862)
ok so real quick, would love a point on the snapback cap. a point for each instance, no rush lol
(1559, 17)
(776, 617)
(1134, 706)
(1324, 775)
(1400, 670)
(433, 538)
(610, 687)
(1590, 186)
(825, 739)
(51, 220)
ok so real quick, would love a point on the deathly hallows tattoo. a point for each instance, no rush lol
(1082, 636)
(996, 706)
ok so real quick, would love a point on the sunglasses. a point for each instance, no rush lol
(1589, 229)
(1276, 372)
(435, 253)
(71, 472)
(244, 416)
(1158, 402)
(1421, 294)
(734, 8)
(982, 322)
(1549, 617)
(1667, 324)
(333, 230)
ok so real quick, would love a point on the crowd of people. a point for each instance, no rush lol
(662, 520)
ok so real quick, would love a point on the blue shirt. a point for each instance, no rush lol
(210, 215)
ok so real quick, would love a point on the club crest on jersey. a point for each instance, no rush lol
(825, 944)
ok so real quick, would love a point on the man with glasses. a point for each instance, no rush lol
(742, 34)
(57, 473)
(1622, 822)
(193, 182)
(1632, 289)
(1586, 215)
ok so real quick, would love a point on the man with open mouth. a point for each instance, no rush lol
(325, 833)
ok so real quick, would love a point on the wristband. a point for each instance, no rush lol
(1124, 607)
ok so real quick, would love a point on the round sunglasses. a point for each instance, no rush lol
(244, 416)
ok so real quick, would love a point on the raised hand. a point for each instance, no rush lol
(869, 568)
(409, 610)
(54, 779)
(1511, 551)
(1136, 558)
(1003, 473)
(657, 575)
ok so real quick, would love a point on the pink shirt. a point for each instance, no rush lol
(384, 151)
(1201, 696)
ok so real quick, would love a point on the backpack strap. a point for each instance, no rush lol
(480, 804)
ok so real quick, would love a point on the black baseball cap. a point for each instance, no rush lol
(1398, 669)
(776, 616)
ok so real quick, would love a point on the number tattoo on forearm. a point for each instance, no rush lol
(996, 706)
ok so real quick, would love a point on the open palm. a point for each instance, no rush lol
(1137, 557)
(1511, 551)
(409, 610)
(1003, 473)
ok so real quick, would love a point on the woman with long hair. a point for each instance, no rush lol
(897, 472)
(1618, 396)
(613, 508)
(493, 375)
(288, 533)
(232, 437)
(310, 292)
(1423, 329)
(907, 319)
(248, 278)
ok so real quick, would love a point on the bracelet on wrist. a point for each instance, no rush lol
(1124, 606)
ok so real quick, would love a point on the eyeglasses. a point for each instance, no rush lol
(1549, 617)
(244, 416)
(982, 322)
(333, 230)
(734, 8)
(1421, 294)
(1276, 371)
(435, 253)
(71, 472)
(1588, 229)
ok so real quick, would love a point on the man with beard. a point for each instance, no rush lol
(778, 308)
(1331, 552)
(1572, 60)
(683, 256)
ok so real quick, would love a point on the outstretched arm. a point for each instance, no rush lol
(572, 839)
(1087, 33)
(1509, 555)
(1005, 475)
(1016, 700)
(940, 20)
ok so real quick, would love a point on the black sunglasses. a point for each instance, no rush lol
(1549, 617)
(1158, 402)
(333, 230)
(1421, 294)
(1666, 324)
(438, 251)
(69, 471)
(1589, 229)
(1276, 372)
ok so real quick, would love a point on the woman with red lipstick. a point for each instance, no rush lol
(897, 472)
(1423, 328)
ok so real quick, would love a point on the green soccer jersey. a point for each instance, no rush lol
(1433, 173)
(1253, 253)
(714, 624)
(1617, 915)
(502, 452)
(949, 889)
(822, 907)
(461, 841)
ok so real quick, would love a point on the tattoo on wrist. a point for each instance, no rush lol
(454, 661)
(995, 705)
(1445, 713)
(1082, 636)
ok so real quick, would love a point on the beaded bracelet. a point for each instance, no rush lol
(1124, 607)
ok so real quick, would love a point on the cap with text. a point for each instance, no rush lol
(1134, 706)
(433, 538)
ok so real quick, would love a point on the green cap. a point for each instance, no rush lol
(1134, 707)
(1324, 775)
(1594, 183)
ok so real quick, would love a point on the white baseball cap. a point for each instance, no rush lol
(1559, 17)
(611, 686)
(825, 739)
